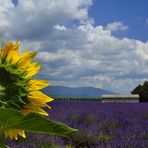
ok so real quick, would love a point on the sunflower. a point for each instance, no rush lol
(18, 89)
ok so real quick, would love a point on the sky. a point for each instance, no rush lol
(91, 43)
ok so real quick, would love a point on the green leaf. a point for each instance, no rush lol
(12, 119)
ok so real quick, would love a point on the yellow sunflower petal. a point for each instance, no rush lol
(37, 84)
(43, 104)
(31, 66)
(22, 133)
(14, 55)
(7, 50)
(13, 133)
(25, 60)
(24, 54)
(48, 106)
(31, 71)
(39, 97)
(33, 108)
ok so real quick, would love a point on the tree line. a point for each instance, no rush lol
(142, 90)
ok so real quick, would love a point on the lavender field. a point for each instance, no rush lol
(100, 125)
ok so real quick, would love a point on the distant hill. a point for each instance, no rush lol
(75, 92)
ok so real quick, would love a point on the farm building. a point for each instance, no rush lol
(120, 98)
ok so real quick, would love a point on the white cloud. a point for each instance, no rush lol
(58, 27)
(116, 26)
(34, 19)
(96, 59)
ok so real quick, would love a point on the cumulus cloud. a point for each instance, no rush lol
(58, 27)
(96, 59)
(33, 19)
(116, 26)
(75, 54)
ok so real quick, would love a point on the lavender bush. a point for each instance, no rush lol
(123, 125)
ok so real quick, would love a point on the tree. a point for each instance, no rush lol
(142, 90)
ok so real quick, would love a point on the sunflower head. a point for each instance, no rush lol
(18, 89)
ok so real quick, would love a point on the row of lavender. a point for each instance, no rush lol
(100, 125)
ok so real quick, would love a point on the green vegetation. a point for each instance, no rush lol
(142, 90)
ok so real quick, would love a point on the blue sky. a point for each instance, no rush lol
(97, 43)
(132, 13)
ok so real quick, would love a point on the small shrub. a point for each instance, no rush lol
(75, 119)
(109, 125)
(81, 140)
(104, 138)
(145, 116)
(89, 119)
(145, 136)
